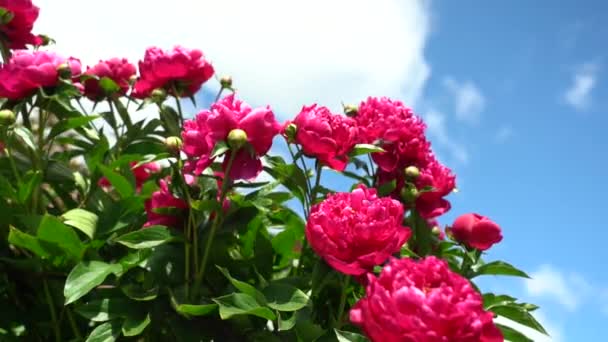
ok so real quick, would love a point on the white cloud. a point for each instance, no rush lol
(578, 95)
(437, 128)
(555, 333)
(469, 101)
(505, 132)
(567, 290)
(283, 53)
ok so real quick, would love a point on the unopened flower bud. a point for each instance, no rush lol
(351, 110)
(409, 193)
(173, 144)
(158, 95)
(412, 172)
(132, 79)
(436, 231)
(7, 117)
(64, 71)
(290, 132)
(226, 82)
(237, 138)
(46, 40)
(6, 16)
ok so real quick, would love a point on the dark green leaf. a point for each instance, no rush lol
(108, 85)
(135, 324)
(53, 230)
(86, 276)
(241, 304)
(220, 148)
(347, 336)
(30, 182)
(519, 315)
(196, 309)
(286, 320)
(29, 242)
(387, 188)
(243, 286)
(83, 220)
(26, 137)
(498, 268)
(512, 335)
(119, 182)
(146, 237)
(490, 300)
(283, 297)
(71, 123)
(105, 309)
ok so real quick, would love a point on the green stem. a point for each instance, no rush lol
(422, 234)
(49, 301)
(311, 201)
(5, 51)
(305, 205)
(342, 305)
(219, 93)
(73, 324)
(216, 221)
(179, 110)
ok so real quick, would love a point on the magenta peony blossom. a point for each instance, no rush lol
(181, 68)
(399, 131)
(29, 70)
(18, 31)
(423, 301)
(118, 70)
(141, 173)
(213, 125)
(326, 136)
(356, 231)
(163, 199)
(476, 231)
(441, 179)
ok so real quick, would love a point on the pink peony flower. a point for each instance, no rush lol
(163, 200)
(213, 125)
(181, 68)
(18, 31)
(27, 71)
(476, 231)
(326, 136)
(356, 231)
(423, 301)
(432, 203)
(400, 132)
(141, 174)
(118, 70)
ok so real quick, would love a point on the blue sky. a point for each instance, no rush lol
(514, 94)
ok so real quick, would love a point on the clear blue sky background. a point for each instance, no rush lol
(527, 157)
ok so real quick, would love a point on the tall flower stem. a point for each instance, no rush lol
(342, 305)
(49, 301)
(311, 201)
(216, 221)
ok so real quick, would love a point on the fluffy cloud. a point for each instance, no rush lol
(468, 99)
(568, 290)
(578, 95)
(437, 129)
(283, 53)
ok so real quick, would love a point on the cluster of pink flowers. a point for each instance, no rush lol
(164, 200)
(423, 301)
(215, 124)
(353, 232)
(119, 70)
(18, 31)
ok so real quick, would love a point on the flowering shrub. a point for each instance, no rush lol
(184, 227)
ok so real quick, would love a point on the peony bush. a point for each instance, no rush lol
(191, 227)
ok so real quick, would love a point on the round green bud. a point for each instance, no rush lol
(436, 231)
(237, 138)
(174, 144)
(409, 193)
(290, 132)
(158, 95)
(64, 71)
(226, 82)
(7, 117)
(412, 172)
(351, 110)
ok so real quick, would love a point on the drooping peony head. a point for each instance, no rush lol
(18, 31)
(423, 301)
(476, 231)
(181, 68)
(326, 136)
(171, 206)
(399, 130)
(119, 70)
(27, 71)
(353, 232)
(141, 173)
(213, 125)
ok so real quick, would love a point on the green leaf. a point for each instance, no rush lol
(30, 181)
(86, 276)
(287, 323)
(360, 149)
(347, 336)
(220, 148)
(512, 335)
(119, 182)
(283, 297)
(83, 220)
(105, 309)
(490, 300)
(291, 176)
(243, 286)
(26, 137)
(135, 324)
(71, 123)
(108, 85)
(520, 315)
(498, 268)
(106, 332)
(146, 237)
(196, 309)
(241, 304)
(27, 241)
(53, 230)
(386, 188)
